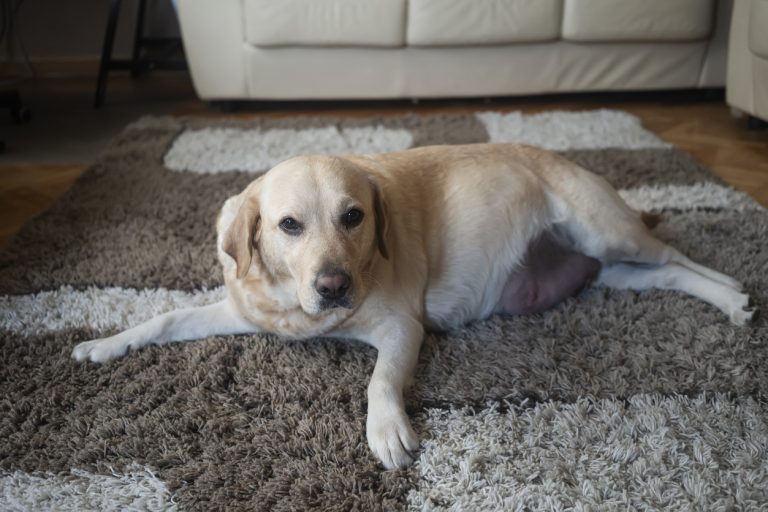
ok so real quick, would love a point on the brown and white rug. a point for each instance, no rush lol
(612, 400)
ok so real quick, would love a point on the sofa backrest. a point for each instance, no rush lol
(397, 23)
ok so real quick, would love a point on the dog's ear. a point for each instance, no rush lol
(241, 238)
(381, 219)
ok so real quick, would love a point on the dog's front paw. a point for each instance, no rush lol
(391, 438)
(99, 351)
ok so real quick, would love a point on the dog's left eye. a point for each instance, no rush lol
(352, 218)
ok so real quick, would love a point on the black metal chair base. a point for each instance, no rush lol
(20, 113)
(142, 61)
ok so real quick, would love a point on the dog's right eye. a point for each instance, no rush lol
(290, 226)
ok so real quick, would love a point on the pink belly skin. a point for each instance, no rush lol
(549, 275)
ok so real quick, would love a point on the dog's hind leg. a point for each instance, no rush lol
(674, 276)
(633, 258)
(180, 325)
(681, 259)
(634, 243)
(595, 220)
(589, 212)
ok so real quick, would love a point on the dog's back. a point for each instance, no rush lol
(474, 209)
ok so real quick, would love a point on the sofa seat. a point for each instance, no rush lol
(339, 49)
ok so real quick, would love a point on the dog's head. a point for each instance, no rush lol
(313, 226)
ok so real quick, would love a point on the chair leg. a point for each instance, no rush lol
(136, 67)
(106, 53)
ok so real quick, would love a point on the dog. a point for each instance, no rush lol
(380, 247)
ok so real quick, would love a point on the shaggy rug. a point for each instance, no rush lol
(613, 399)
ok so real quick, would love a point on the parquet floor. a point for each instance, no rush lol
(31, 179)
(27, 189)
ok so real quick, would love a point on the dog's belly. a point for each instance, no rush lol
(549, 274)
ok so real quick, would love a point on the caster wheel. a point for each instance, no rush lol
(224, 106)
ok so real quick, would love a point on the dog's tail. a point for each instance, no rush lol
(651, 220)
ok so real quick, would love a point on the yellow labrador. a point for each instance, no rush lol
(378, 247)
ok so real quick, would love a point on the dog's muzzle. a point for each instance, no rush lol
(333, 285)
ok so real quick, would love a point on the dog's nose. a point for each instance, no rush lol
(332, 284)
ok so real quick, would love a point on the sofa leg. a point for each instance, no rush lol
(756, 124)
(223, 105)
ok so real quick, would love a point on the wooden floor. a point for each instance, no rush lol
(26, 190)
(705, 128)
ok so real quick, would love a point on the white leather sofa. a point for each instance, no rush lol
(747, 88)
(365, 49)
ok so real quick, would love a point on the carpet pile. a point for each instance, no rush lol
(613, 399)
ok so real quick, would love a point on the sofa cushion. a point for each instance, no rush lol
(324, 22)
(758, 28)
(637, 20)
(473, 22)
